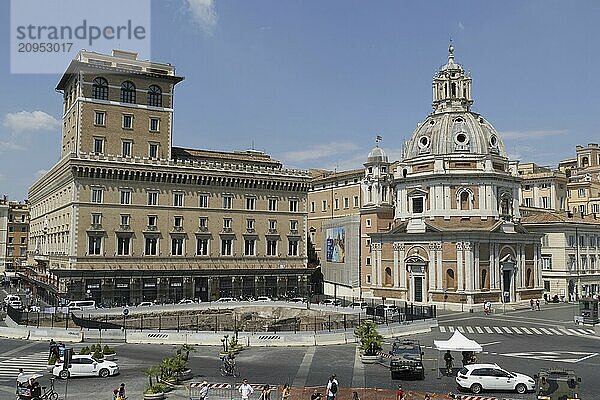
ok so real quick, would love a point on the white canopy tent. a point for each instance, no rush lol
(458, 342)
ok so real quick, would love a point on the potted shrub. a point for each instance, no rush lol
(85, 351)
(154, 390)
(109, 353)
(51, 361)
(370, 342)
(234, 346)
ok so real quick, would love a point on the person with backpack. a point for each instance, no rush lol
(332, 387)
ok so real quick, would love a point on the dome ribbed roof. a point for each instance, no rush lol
(454, 133)
(377, 155)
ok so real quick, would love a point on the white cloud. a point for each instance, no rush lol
(461, 26)
(319, 152)
(40, 172)
(30, 121)
(204, 14)
(10, 146)
(524, 135)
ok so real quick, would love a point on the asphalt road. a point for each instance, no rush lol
(572, 347)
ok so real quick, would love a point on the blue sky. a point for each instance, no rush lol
(312, 83)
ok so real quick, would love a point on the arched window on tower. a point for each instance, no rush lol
(585, 162)
(387, 280)
(529, 278)
(154, 96)
(465, 201)
(100, 89)
(127, 92)
(485, 283)
(450, 282)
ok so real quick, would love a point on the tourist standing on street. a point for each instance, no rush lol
(332, 387)
(203, 393)
(532, 304)
(122, 392)
(285, 393)
(265, 394)
(537, 304)
(245, 390)
(400, 393)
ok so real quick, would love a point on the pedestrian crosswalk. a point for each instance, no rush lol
(36, 362)
(514, 330)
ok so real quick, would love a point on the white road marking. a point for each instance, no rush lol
(536, 331)
(488, 329)
(555, 331)
(527, 331)
(546, 331)
(514, 328)
(470, 330)
(506, 329)
(460, 329)
(479, 330)
(442, 328)
(497, 329)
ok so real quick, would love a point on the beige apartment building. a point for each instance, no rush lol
(334, 202)
(570, 253)
(583, 173)
(14, 231)
(542, 187)
(125, 217)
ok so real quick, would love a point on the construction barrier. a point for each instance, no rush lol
(228, 391)
(58, 335)
(14, 333)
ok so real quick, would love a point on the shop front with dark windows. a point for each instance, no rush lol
(162, 288)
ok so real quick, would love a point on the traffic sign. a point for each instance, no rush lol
(126, 311)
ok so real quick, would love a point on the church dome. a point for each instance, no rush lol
(377, 155)
(454, 133)
(452, 128)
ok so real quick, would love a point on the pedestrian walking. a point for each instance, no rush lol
(245, 390)
(203, 393)
(265, 393)
(285, 393)
(122, 392)
(115, 394)
(532, 304)
(400, 393)
(332, 387)
(537, 304)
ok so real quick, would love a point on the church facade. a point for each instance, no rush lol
(443, 224)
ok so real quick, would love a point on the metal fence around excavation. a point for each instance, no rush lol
(201, 320)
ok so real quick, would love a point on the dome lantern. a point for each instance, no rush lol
(451, 87)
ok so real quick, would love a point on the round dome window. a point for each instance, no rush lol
(431, 122)
(423, 142)
(461, 138)
(493, 141)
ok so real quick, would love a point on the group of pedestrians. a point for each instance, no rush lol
(534, 304)
(246, 391)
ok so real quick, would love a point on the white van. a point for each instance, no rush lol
(82, 305)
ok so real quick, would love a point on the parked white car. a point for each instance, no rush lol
(478, 377)
(186, 301)
(145, 304)
(11, 297)
(225, 300)
(16, 304)
(263, 298)
(85, 365)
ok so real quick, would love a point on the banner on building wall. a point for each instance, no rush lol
(336, 242)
